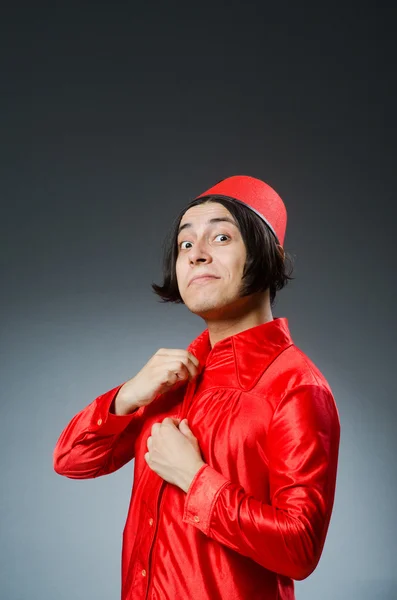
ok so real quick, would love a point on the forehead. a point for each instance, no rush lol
(202, 213)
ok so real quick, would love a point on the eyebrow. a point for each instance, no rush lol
(214, 220)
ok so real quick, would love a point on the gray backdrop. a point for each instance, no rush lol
(112, 119)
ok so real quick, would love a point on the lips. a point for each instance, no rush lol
(202, 277)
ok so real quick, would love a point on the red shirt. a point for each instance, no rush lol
(256, 515)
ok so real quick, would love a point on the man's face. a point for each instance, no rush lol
(210, 248)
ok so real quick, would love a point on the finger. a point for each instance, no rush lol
(180, 354)
(155, 428)
(193, 359)
(174, 420)
(184, 368)
(149, 442)
(184, 427)
(170, 421)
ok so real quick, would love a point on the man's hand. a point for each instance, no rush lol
(174, 454)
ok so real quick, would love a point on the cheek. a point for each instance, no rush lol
(179, 271)
(236, 266)
(241, 260)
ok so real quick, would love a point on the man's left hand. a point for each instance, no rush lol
(174, 453)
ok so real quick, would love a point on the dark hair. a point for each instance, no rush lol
(264, 267)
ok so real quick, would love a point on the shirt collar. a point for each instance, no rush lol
(253, 349)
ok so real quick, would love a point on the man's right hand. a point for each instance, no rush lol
(166, 368)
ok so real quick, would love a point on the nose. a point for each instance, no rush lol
(199, 253)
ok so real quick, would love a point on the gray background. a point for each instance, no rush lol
(114, 116)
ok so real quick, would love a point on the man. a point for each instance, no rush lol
(236, 439)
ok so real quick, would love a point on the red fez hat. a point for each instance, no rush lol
(258, 196)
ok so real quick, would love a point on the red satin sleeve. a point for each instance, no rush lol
(287, 535)
(97, 442)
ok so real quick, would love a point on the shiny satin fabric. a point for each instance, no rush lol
(256, 515)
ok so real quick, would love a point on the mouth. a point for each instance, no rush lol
(202, 279)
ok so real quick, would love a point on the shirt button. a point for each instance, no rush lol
(150, 521)
(143, 572)
(196, 518)
(99, 422)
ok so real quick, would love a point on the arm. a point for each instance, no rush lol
(287, 535)
(96, 441)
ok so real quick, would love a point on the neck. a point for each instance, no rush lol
(250, 312)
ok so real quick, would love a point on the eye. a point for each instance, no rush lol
(223, 234)
(187, 242)
(180, 245)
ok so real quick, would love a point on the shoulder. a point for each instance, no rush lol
(296, 367)
(293, 372)
(305, 386)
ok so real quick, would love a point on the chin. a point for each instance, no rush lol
(205, 307)
(200, 306)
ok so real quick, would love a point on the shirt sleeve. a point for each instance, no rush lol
(286, 536)
(97, 442)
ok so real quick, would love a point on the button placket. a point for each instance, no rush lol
(155, 494)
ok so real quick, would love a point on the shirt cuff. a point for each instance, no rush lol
(105, 422)
(201, 497)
